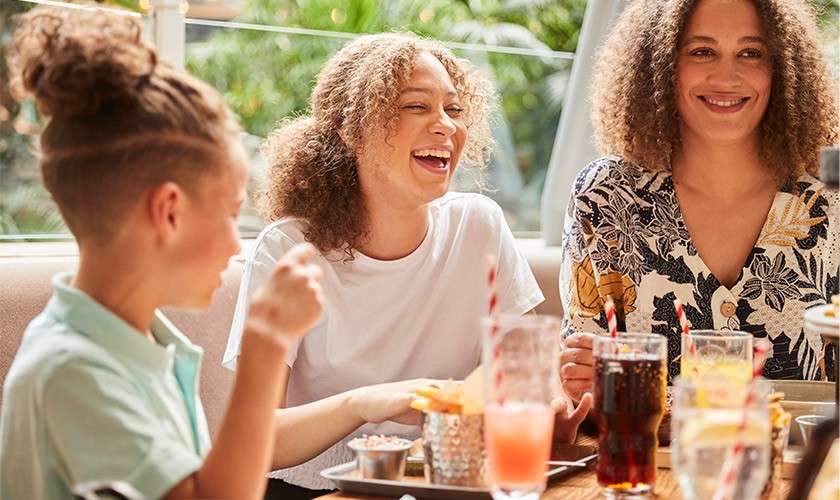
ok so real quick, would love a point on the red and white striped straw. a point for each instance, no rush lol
(685, 326)
(493, 309)
(733, 464)
(493, 313)
(612, 320)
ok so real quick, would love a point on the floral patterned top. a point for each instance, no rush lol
(625, 237)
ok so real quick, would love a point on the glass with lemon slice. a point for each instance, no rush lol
(709, 417)
(721, 354)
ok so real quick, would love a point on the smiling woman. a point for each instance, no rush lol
(367, 124)
(366, 179)
(715, 112)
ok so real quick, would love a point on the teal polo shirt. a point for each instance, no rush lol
(89, 398)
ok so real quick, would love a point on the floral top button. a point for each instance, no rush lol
(728, 309)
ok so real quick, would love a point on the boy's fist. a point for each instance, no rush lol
(291, 301)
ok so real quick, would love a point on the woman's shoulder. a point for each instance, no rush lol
(809, 185)
(818, 201)
(468, 215)
(610, 172)
(457, 203)
(280, 235)
(815, 198)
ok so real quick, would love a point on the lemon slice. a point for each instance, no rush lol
(722, 428)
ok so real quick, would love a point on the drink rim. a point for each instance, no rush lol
(606, 347)
(527, 320)
(632, 337)
(719, 334)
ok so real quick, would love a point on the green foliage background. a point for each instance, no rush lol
(267, 76)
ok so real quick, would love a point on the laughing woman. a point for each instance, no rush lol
(365, 178)
(715, 112)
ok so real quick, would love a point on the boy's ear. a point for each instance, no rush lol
(165, 204)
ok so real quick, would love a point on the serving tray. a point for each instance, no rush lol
(347, 479)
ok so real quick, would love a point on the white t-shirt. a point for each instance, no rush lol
(386, 321)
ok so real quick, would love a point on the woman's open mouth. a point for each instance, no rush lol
(433, 160)
(724, 104)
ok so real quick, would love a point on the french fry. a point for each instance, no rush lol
(427, 392)
(420, 404)
(445, 399)
(428, 404)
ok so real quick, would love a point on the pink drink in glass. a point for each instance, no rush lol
(518, 440)
(521, 360)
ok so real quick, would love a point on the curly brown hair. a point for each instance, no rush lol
(120, 121)
(634, 89)
(312, 173)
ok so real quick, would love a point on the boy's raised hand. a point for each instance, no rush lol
(281, 311)
(291, 301)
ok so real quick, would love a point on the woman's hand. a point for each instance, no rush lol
(567, 418)
(378, 403)
(576, 364)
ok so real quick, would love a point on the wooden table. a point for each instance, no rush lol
(583, 486)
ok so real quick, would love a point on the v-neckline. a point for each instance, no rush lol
(750, 254)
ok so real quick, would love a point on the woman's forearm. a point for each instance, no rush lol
(303, 432)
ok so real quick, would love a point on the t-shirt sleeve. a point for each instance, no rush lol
(518, 289)
(270, 247)
(102, 430)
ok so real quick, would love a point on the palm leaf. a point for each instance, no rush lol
(506, 34)
(554, 89)
(794, 222)
(28, 208)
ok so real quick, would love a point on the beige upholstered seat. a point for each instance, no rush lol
(25, 288)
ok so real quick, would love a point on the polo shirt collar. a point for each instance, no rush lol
(106, 329)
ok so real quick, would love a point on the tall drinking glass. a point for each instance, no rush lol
(706, 417)
(725, 354)
(521, 359)
(629, 385)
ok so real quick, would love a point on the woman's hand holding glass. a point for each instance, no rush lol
(576, 362)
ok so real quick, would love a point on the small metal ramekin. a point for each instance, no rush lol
(381, 463)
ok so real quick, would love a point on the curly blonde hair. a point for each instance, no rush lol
(312, 173)
(634, 89)
(121, 120)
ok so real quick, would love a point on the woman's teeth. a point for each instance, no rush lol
(435, 159)
(432, 152)
(725, 103)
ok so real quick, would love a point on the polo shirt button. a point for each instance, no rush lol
(728, 309)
